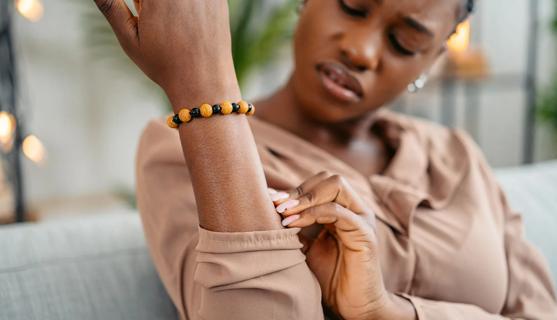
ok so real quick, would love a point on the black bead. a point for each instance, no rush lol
(176, 119)
(250, 106)
(195, 113)
(216, 108)
(235, 107)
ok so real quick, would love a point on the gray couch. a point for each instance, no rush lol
(98, 267)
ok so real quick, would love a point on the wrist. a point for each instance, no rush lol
(209, 91)
(208, 81)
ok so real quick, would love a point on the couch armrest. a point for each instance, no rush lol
(96, 267)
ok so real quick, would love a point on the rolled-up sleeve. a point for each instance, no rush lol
(215, 275)
(252, 275)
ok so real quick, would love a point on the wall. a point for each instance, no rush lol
(89, 114)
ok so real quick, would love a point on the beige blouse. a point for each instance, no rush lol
(448, 240)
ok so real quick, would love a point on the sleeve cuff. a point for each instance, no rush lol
(236, 258)
(233, 242)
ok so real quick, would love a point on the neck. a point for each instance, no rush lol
(283, 109)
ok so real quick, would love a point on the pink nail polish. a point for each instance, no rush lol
(279, 196)
(290, 219)
(287, 205)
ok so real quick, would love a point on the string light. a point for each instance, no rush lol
(7, 130)
(34, 149)
(30, 9)
(460, 41)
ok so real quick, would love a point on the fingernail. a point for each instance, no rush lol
(279, 196)
(290, 219)
(271, 190)
(287, 205)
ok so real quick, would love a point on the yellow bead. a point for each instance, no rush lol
(171, 122)
(184, 115)
(244, 106)
(226, 107)
(252, 111)
(206, 110)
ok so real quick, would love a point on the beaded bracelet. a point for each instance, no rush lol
(206, 110)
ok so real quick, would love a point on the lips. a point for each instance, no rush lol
(339, 82)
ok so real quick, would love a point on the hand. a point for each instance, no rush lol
(344, 255)
(184, 46)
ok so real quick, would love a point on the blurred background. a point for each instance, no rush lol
(72, 107)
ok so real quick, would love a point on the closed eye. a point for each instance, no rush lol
(399, 47)
(354, 12)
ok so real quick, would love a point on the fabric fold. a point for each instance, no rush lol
(235, 242)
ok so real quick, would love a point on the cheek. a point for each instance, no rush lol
(315, 33)
(392, 81)
(400, 71)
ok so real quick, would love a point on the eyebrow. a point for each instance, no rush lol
(416, 25)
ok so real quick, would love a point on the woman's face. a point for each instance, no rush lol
(354, 56)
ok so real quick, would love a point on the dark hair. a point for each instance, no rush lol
(467, 10)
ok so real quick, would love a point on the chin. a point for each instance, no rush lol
(315, 104)
(318, 107)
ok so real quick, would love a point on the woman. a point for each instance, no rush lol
(399, 218)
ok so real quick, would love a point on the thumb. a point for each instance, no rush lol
(306, 242)
(122, 21)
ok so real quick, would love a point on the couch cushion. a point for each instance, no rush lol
(532, 191)
(88, 268)
(98, 267)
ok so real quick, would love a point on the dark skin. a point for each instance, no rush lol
(327, 32)
(173, 42)
(349, 140)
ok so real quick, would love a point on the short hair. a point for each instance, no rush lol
(468, 8)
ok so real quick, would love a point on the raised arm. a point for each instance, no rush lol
(185, 47)
(238, 263)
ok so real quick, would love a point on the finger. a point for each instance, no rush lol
(277, 196)
(295, 193)
(309, 184)
(306, 242)
(121, 20)
(333, 189)
(328, 213)
(350, 229)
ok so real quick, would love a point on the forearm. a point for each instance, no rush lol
(185, 47)
(225, 168)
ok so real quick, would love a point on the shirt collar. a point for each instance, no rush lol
(426, 170)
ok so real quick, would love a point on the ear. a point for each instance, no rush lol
(301, 5)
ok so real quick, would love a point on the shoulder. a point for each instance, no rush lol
(443, 156)
(436, 139)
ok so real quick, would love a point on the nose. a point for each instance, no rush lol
(361, 50)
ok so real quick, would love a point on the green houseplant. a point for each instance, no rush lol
(259, 30)
(548, 99)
